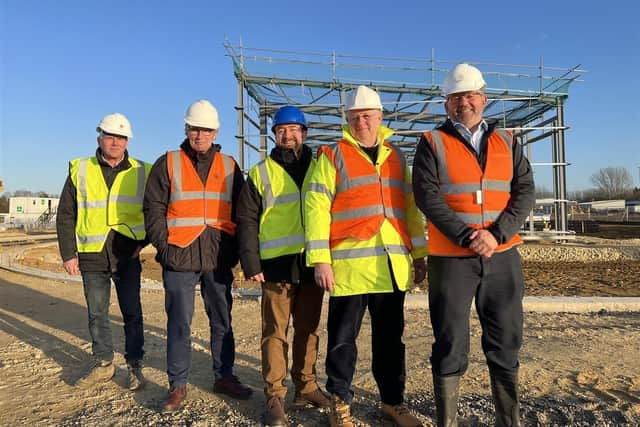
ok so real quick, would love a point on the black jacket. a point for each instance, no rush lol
(426, 189)
(213, 249)
(117, 249)
(287, 268)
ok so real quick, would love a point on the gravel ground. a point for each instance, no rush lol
(577, 369)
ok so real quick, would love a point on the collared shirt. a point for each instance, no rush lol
(472, 138)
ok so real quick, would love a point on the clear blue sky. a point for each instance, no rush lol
(65, 64)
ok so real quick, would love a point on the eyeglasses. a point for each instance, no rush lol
(367, 117)
(469, 96)
(204, 131)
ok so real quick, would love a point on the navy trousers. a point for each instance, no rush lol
(215, 288)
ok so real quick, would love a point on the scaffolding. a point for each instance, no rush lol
(528, 100)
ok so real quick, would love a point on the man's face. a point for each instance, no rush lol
(112, 146)
(200, 139)
(466, 107)
(290, 136)
(363, 125)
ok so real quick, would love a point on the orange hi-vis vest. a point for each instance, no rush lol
(364, 199)
(477, 197)
(194, 206)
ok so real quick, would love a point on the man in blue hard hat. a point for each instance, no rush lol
(271, 242)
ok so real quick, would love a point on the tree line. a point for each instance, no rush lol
(610, 183)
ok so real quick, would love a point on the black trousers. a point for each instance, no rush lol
(497, 283)
(388, 359)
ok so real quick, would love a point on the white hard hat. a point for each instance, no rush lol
(463, 78)
(363, 98)
(202, 114)
(115, 124)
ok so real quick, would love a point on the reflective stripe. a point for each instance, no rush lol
(458, 188)
(270, 200)
(347, 183)
(418, 241)
(357, 213)
(177, 172)
(392, 182)
(228, 167)
(478, 219)
(489, 184)
(368, 252)
(401, 157)
(82, 180)
(95, 238)
(504, 135)
(443, 171)
(199, 195)
(84, 204)
(320, 188)
(185, 222)
(283, 241)
(317, 244)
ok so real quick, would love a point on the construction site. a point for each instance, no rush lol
(579, 360)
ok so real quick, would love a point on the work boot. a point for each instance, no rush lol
(317, 398)
(135, 378)
(175, 398)
(400, 414)
(274, 414)
(445, 390)
(504, 389)
(231, 386)
(340, 413)
(101, 371)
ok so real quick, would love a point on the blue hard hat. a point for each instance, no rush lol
(288, 115)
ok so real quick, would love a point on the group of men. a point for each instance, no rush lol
(346, 221)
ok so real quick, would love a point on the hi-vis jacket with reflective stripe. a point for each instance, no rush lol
(281, 227)
(359, 216)
(477, 197)
(193, 205)
(101, 209)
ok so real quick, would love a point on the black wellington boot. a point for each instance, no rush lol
(446, 398)
(504, 388)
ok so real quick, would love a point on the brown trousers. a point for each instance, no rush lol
(302, 302)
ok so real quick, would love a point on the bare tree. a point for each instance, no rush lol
(612, 182)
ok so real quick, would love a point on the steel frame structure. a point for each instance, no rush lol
(528, 100)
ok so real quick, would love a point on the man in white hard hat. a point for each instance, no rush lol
(364, 236)
(271, 239)
(476, 188)
(100, 233)
(189, 210)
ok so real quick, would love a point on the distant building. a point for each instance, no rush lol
(29, 210)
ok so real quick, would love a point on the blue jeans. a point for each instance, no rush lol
(215, 288)
(97, 292)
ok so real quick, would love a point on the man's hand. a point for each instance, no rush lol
(71, 266)
(483, 243)
(257, 277)
(419, 270)
(323, 274)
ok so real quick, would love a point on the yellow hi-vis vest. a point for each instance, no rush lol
(100, 209)
(281, 229)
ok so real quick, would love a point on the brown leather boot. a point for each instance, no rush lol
(231, 386)
(317, 398)
(175, 398)
(400, 415)
(274, 414)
